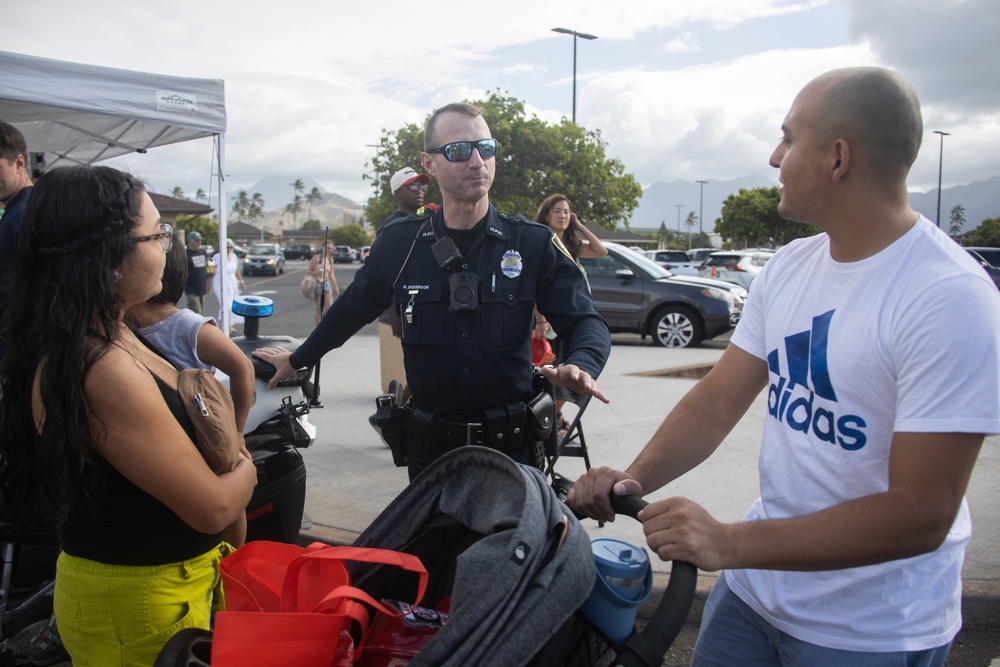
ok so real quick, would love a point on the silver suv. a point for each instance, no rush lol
(735, 266)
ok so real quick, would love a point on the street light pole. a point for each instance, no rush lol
(701, 209)
(940, 165)
(567, 31)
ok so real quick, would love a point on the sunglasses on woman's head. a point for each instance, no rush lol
(460, 151)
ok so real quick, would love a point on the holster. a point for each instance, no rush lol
(389, 418)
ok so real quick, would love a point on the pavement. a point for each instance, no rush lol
(351, 477)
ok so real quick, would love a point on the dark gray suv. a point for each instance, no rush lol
(636, 295)
(264, 258)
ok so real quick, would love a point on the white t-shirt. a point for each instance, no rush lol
(904, 341)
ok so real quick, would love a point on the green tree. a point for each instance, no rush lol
(350, 234)
(535, 159)
(311, 198)
(750, 218)
(199, 195)
(208, 228)
(241, 205)
(690, 221)
(177, 192)
(987, 235)
(311, 224)
(255, 208)
(294, 208)
(957, 220)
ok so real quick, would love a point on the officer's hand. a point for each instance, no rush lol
(574, 379)
(591, 494)
(277, 358)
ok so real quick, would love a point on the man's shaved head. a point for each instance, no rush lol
(876, 111)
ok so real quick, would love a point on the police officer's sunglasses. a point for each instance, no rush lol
(460, 151)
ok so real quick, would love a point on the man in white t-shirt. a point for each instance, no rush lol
(876, 413)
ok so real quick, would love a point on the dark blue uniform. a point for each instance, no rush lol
(460, 364)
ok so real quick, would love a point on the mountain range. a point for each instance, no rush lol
(659, 202)
(981, 200)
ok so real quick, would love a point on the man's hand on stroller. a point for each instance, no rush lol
(573, 378)
(591, 494)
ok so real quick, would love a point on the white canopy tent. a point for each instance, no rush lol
(72, 113)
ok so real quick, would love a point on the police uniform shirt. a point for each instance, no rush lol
(462, 363)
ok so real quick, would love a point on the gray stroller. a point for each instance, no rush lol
(515, 563)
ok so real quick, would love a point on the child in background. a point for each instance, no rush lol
(190, 340)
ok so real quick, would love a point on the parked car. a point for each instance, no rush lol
(735, 266)
(636, 295)
(700, 254)
(343, 254)
(989, 259)
(674, 261)
(264, 258)
(363, 253)
(300, 251)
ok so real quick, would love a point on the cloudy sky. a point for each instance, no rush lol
(679, 90)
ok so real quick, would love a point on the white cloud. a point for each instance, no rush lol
(310, 83)
(685, 43)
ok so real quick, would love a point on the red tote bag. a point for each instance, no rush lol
(278, 595)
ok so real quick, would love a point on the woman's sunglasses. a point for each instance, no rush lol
(460, 151)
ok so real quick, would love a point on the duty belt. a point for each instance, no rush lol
(446, 430)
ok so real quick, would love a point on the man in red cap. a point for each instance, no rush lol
(408, 187)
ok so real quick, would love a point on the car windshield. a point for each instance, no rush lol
(722, 260)
(263, 250)
(991, 255)
(648, 266)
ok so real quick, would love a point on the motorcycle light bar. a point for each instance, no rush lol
(253, 306)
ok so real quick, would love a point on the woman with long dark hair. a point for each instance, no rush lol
(556, 211)
(91, 443)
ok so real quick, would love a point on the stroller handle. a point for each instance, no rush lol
(647, 648)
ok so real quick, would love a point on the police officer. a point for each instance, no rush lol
(465, 280)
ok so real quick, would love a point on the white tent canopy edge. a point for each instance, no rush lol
(72, 113)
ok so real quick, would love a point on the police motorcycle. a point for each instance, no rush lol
(277, 426)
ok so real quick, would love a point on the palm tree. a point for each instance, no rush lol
(313, 196)
(200, 194)
(177, 192)
(295, 207)
(241, 205)
(255, 208)
(298, 186)
(691, 220)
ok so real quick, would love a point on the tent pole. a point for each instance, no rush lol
(220, 140)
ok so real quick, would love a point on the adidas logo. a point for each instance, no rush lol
(804, 398)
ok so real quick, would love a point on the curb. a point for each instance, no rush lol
(980, 598)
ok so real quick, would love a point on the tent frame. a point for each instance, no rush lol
(81, 114)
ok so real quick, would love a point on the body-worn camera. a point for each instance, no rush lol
(463, 291)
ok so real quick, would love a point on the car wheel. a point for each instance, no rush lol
(676, 327)
(281, 269)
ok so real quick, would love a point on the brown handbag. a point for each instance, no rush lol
(209, 406)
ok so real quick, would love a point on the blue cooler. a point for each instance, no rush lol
(624, 581)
